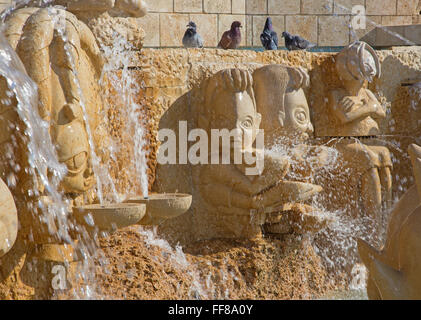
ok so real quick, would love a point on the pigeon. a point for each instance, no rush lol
(231, 39)
(191, 38)
(269, 37)
(296, 42)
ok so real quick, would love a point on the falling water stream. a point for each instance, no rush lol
(44, 165)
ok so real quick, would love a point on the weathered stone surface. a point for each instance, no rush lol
(316, 6)
(284, 7)
(386, 7)
(107, 29)
(256, 6)
(238, 6)
(251, 269)
(217, 6)
(161, 6)
(407, 7)
(188, 5)
(334, 30)
(150, 25)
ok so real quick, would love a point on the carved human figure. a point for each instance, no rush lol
(239, 200)
(287, 125)
(393, 271)
(285, 113)
(66, 74)
(61, 56)
(357, 112)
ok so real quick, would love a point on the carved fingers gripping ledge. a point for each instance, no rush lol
(8, 219)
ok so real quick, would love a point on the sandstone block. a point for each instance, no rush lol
(217, 6)
(378, 8)
(334, 30)
(150, 23)
(284, 7)
(256, 6)
(316, 6)
(161, 6)
(188, 5)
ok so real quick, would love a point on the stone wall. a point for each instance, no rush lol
(325, 22)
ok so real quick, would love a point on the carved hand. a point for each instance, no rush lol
(348, 103)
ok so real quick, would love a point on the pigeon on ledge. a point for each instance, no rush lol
(296, 42)
(231, 39)
(191, 38)
(269, 37)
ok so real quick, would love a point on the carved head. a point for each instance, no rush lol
(281, 100)
(73, 150)
(230, 104)
(359, 62)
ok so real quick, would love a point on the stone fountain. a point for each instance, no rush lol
(318, 157)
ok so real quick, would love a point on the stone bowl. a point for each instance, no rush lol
(111, 216)
(161, 207)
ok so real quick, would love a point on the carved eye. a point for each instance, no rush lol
(75, 163)
(301, 116)
(248, 124)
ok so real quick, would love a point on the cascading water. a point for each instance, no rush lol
(119, 57)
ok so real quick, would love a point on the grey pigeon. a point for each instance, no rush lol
(296, 42)
(269, 37)
(231, 39)
(191, 38)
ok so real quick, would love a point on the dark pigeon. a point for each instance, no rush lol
(191, 38)
(296, 42)
(231, 39)
(269, 37)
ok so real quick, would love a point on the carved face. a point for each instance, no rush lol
(237, 111)
(297, 113)
(73, 151)
(358, 62)
(369, 65)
